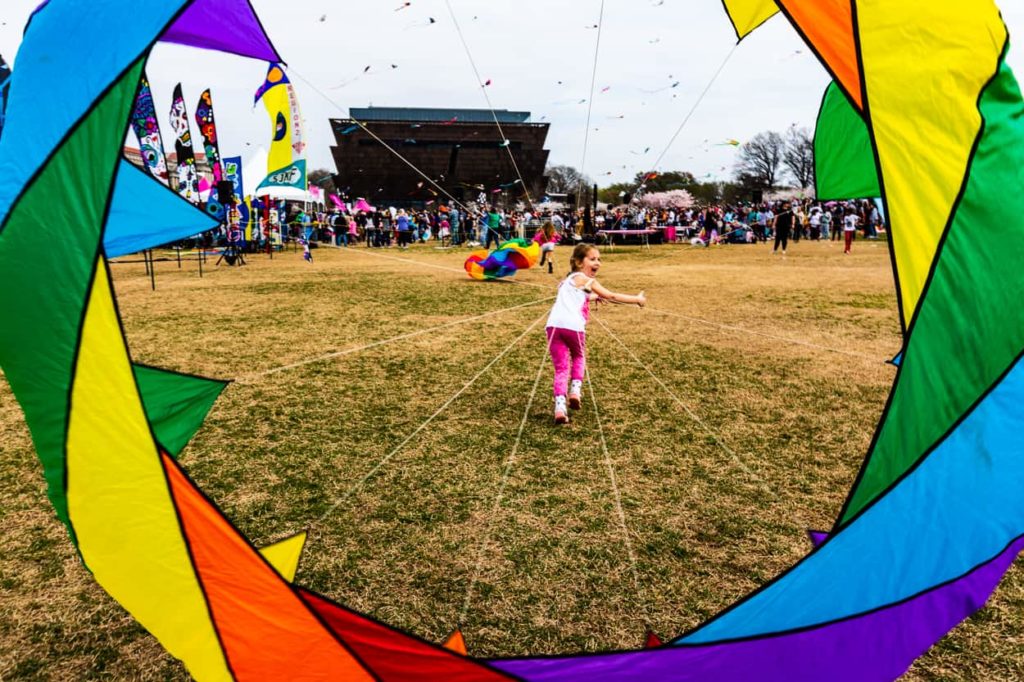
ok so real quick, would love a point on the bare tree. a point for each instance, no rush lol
(568, 180)
(799, 156)
(324, 179)
(761, 158)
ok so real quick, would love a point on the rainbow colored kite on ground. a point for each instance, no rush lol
(934, 519)
(505, 261)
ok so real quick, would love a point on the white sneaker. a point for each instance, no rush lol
(561, 415)
(575, 395)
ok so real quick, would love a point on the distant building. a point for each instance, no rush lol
(459, 149)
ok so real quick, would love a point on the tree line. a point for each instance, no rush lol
(767, 161)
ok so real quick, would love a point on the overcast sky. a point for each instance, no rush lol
(539, 56)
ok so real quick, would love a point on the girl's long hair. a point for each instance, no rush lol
(579, 254)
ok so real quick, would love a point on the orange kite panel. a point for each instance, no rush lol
(267, 631)
(457, 643)
(828, 26)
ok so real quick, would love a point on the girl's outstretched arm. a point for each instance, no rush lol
(614, 297)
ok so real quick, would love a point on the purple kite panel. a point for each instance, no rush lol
(223, 25)
(876, 646)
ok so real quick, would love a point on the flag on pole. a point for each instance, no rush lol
(233, 173)
(147, 132)
(188, 174)
(208, 128)
(278, 95)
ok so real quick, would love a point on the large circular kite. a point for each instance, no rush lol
(934, 520)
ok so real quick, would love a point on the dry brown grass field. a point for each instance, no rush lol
(723, 420)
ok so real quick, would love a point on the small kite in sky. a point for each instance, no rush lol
(402, 6)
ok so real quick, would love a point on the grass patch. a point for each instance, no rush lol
(779, 361)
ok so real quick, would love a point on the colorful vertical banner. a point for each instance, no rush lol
(245, 211)
(208, 128)
(233, 173)
(278, 95)
(147, 132)
(187, 173)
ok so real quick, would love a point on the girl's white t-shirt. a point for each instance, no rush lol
(850, 223)
(572, 305)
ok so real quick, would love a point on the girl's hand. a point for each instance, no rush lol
(641, 300)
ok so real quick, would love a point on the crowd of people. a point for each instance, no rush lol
(782, 221)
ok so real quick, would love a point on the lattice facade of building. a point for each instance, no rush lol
(459, 149)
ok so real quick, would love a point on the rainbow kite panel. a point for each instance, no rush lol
(505, 261)
(932, 523)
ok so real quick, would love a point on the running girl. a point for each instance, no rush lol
(547, 238)
(567, 326)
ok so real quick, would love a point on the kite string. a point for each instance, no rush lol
(693, 415)
(401, 337)
(754, 332)
(686, 120)
(793, 513)
(487, 98)
(388, 457)
(372, 134)
(619, 511)
(590, 106)
(510, 462)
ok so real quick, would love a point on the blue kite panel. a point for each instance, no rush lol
(144, 213)
(961, 507)
(36, 120)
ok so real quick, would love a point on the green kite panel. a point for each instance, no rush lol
(38, 302)
(176, 404)
(971, 332)
(844, 161)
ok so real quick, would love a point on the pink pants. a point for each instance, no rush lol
(569, 354)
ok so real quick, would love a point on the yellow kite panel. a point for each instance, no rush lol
(746, 15)
(925, 64)
(284, 555)
(119, 500)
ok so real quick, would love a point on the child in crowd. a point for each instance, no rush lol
(849, 230)
(567, 325)
(547, 238)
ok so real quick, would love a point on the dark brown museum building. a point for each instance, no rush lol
(460, 149)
